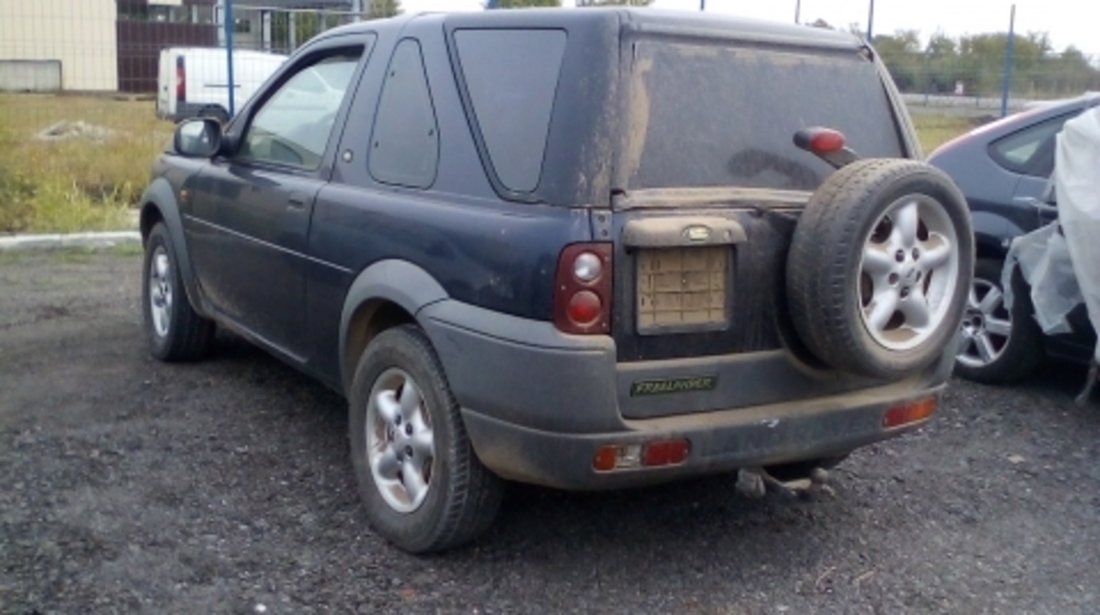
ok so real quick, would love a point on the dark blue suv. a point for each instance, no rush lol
(587, 249)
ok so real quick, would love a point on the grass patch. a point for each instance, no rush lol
(78, 184)
(935, 130)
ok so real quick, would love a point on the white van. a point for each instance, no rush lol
(194, 82)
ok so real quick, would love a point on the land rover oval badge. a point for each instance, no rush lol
(697, 233)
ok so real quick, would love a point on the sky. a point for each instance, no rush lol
(1069, 22)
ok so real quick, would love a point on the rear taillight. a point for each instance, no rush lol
(181, 80)
(582, 295)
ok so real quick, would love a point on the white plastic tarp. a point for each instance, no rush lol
(1044, 261)
(1061, 261)
(1077, 185)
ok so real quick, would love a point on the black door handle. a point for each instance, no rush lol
(297, 200)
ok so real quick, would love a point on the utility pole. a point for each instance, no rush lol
(702, 5)
(230, 26)
(797, 11)
(871, 23)
(1010, 48)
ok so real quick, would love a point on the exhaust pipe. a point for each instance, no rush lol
(754, 483)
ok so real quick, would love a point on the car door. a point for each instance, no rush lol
(250, 213)
(1029, 152)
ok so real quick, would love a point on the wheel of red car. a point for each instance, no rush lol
(880, 266)
(423, 487)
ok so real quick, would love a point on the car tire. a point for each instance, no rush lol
(423, 486)
(999, 346)
(174, 330)
(880, 266)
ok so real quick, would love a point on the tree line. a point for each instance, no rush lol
(975, 64)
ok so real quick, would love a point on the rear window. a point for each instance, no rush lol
(720, 115)
(511, 77)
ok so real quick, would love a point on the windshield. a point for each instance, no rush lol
(718, 115)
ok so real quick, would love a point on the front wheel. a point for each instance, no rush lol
(423, 487)
(999, 345)
(174, 330)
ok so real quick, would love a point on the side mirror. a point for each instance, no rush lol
(201, 138)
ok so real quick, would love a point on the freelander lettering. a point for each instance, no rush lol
(673, 385)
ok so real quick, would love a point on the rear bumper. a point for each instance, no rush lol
(719, 441)
(539, 404)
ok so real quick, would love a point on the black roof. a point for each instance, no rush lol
(687, 23)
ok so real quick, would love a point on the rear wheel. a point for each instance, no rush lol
(423, 487)
(999, 345)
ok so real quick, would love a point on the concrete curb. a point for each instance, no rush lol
(71, 240)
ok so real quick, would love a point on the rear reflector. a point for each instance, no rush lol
(631, 456)
(910, 412)
(666, 453)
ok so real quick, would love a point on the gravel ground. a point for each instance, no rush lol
(224, 486)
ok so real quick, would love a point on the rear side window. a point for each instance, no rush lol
(511, 77)
(1029, 151)
(405, 144)
(719, 114)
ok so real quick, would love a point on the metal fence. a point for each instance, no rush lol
(979, 92)
(114, 46)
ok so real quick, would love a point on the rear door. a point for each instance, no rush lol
(712, 187)
(250, 218)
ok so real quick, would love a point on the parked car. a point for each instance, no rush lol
(1004, 168)
(194, 81)
(583, 249)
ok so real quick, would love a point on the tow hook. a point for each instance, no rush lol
(754, 483)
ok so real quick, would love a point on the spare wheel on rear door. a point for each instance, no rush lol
(880, 266)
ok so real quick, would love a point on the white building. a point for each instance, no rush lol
(58, 44)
